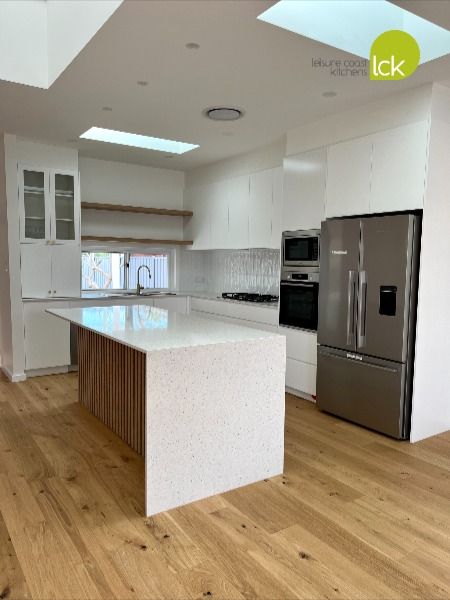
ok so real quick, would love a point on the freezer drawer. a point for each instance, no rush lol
(368, 393)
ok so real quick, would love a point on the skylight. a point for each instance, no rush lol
(137, 141)
(352, 25)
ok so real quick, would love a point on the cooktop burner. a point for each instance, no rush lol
(248, 297)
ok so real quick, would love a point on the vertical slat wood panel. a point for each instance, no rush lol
(112, 385)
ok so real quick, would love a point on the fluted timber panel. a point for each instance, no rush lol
(112, 385)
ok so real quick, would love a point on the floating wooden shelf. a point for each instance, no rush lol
(124, 240)
(167, 212)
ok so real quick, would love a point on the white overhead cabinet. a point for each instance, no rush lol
(348, 178)
(304, 190)
(265, 208)
(49, 205)
(236, 194)
(241, 212)
(49, 232)
(198, 227)
(399, 164)
(383, 172)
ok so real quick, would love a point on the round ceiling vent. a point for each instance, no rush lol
(222, 113)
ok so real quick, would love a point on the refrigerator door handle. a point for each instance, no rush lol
(362, 309)
(351, 307)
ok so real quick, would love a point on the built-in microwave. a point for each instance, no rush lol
(301, 248)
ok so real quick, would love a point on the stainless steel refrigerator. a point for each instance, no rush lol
(367, 316)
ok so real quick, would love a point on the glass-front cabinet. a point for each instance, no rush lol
(50, 206)
(34, 191)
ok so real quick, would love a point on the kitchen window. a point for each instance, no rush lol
(118, 270)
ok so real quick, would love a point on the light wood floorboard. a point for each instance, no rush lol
(356, 515)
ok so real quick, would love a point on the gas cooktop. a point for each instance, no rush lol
(249, 297)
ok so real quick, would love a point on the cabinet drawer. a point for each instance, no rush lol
(301, 345)
(256, 314)
(301, 376)
(241, 322)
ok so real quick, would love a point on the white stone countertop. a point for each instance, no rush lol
(149, 329)
(207, 295)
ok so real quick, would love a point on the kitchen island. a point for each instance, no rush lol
(202, 400)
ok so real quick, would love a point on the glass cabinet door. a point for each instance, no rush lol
(34, 205)
(64, 187)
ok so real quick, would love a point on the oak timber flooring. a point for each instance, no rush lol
(356, 515)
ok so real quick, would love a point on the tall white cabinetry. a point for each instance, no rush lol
(348, 178)
(399, 163)
(304, 190)
(49, 232)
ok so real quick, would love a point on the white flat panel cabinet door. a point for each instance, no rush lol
(238, 192)
(348, 178)
(301, 376)
(198, 227)
(34, 204)
(47, 338)
(261, 209)
(399, 168)
(304, 190)
(175, 304)
(66, 270)
(218, 204)
(277, 209)
(36, 270)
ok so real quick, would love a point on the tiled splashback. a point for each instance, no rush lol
(255, 270)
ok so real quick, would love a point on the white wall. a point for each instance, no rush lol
(123, 183)
(431, 397)
(34, 153)
(393, 111)
(5, 302)
(257, 160)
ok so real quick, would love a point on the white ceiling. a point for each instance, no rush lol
(241, 62)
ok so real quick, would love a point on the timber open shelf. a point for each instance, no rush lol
(96, 238)
(165, 212)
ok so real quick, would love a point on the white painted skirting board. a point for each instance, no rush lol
(299, 394)
(46, 371)
(14, 377)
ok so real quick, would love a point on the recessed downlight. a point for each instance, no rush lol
(223, 113)
(329, 94)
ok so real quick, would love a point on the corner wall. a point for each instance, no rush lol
(5, 302)
(431, 395)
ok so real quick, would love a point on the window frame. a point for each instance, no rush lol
(127, 252)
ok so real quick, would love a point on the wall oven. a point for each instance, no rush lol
(299, 299)
(301, 248)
